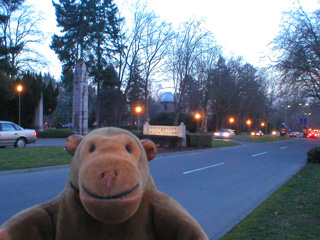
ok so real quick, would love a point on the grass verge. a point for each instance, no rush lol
(293, 212)
(264, 139)
(32, 157)
(218, 143)
(55, 133)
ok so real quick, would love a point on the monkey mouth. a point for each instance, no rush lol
(109, 197)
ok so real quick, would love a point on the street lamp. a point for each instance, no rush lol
(231, 121)
(197, 116)
(304, 120)
(285, 114)
(138, 110)
(19, 89)
(263, 125)
(249, 125)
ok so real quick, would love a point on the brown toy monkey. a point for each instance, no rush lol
(109, 195)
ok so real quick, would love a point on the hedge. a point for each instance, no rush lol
(314, 155)
(55, 133)
(199, 140)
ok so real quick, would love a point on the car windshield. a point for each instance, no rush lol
(225, 130)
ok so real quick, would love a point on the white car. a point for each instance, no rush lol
(224, 133)
(12, 134)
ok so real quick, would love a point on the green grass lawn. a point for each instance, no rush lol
(219, 143)
(293, 212)
(264, 139)
(32, 157)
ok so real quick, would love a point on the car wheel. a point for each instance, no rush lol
(21, 142)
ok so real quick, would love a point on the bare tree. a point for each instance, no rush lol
(203, 66)
(297, 49)
(270, 87)
(184, 52)
(157, 39)
(145, 43)
(21, 32)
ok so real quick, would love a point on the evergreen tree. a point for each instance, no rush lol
(73, 17)
(136, 89)
(106, 101)
(90, 28)
(50, 99)
(33, 87)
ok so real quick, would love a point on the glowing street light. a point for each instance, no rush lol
(231, 120)
(263, 124)
(138, 110)
(19, 89)
(249, 125)
(197, 116)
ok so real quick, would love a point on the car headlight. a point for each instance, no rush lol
(226, 134)
(216, 134)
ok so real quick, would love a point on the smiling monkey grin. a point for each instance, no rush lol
(109, 197)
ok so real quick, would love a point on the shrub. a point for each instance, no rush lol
(55, 133)
(314, 155)
(200, 140)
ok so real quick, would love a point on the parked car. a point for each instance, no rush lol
(224, 133)
(69, 125)
(313, 135)
(294, 134)
(12, 134)
(257, 133)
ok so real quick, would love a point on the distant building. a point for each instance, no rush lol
(167, 102)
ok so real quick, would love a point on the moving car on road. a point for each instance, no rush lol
(313, 135)
(257, 133)
(12, 134)
(294, 134)
(224, 133)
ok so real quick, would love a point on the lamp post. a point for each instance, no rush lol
(263, 125)
(197, 117)
(19, 89)
(285, 113)
(305, 115)
(249, 125)
(138, 110)
(231, 121)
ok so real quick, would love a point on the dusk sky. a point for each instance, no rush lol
(243, 28)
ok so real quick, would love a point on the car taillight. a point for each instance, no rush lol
(35, 134)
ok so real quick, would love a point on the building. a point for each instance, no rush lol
(167, 102)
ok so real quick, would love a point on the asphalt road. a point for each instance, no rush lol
(219, 187)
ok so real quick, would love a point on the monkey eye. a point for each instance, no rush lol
(92, 148)
(129, 150)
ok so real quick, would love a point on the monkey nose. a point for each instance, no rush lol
(109, 179)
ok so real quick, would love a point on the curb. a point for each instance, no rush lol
(31, 170)
(56, 167)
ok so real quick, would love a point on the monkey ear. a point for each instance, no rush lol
(150, 148)
(72, 143)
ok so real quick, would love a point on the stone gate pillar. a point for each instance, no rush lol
(80, 99)
(38, 117)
